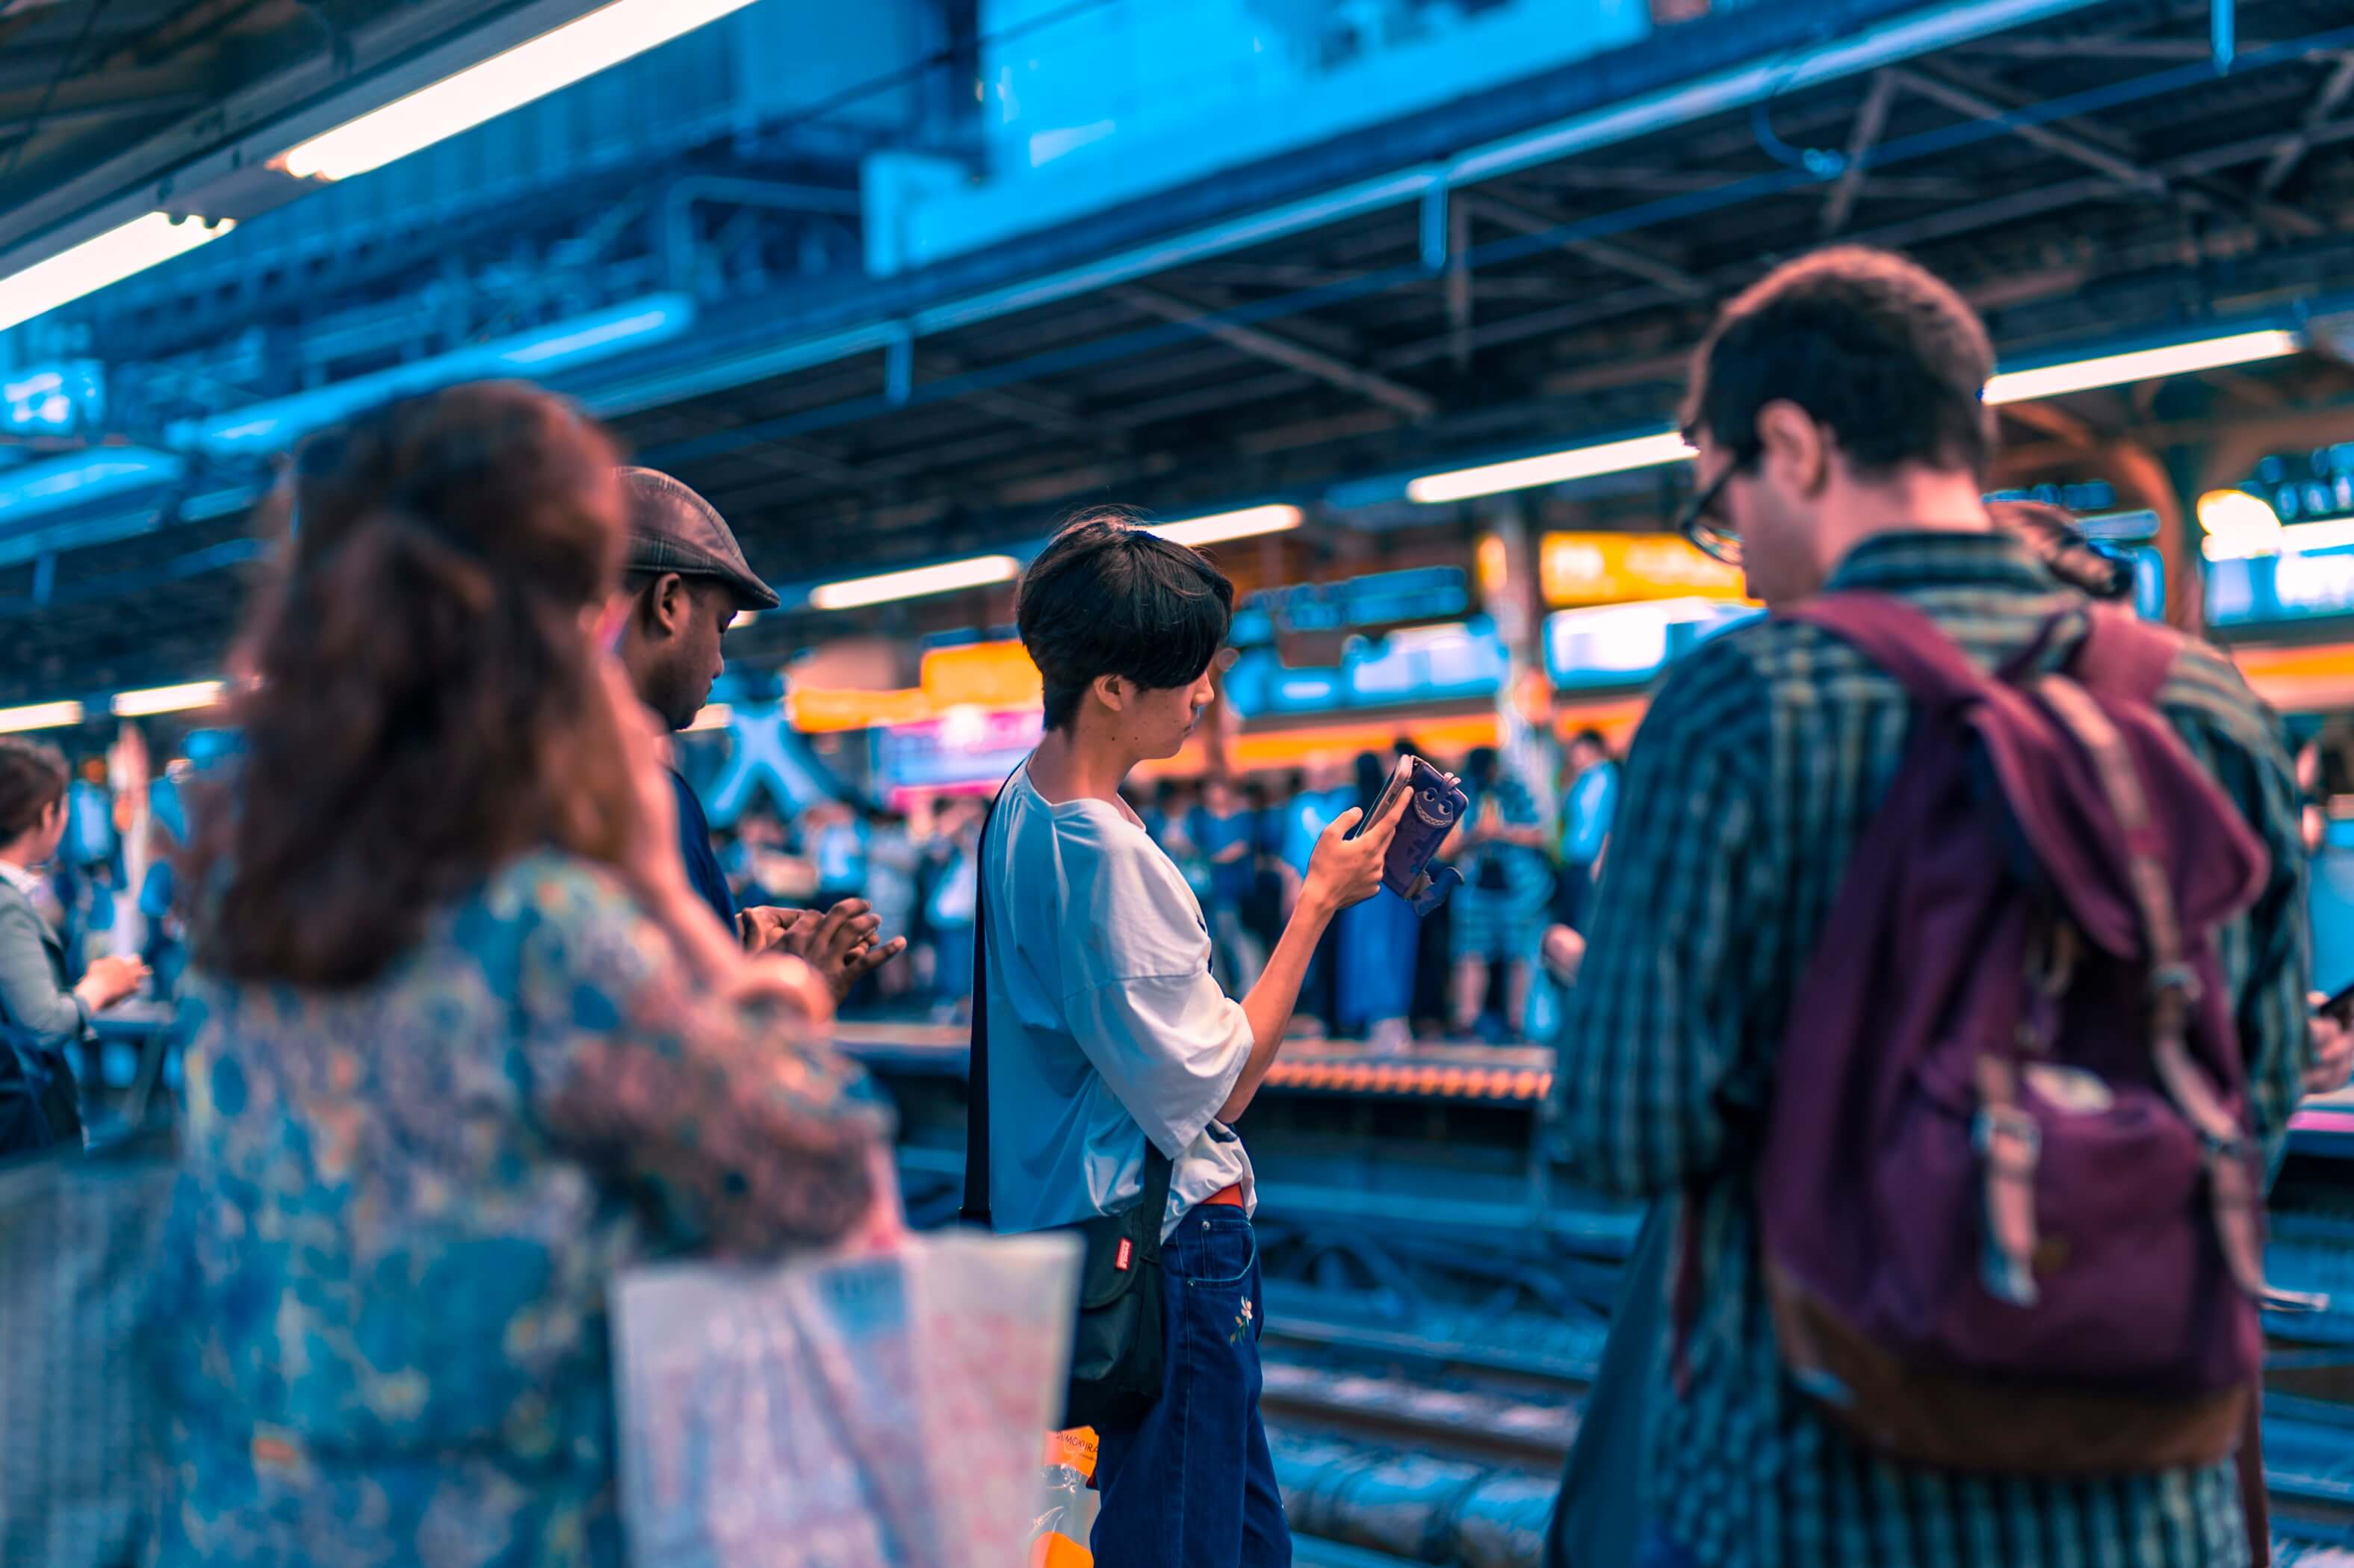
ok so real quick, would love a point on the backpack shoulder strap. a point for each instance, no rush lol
(1899, 638)
(975, 1209)
(2131, 660)
(2124, 656)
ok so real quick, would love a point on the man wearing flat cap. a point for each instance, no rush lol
(688, 578)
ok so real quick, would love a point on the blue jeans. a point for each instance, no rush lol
(1191, 1485)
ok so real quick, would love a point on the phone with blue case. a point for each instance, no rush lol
(1435, 804)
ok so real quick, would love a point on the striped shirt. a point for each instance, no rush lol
(1761, 761)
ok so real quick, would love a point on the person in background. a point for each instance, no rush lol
(1375, 948)
(44, 1015)
(465, 1042)
(1176, 815)
(1843, 441)
(831, 838)
(1324, 792)
(1591, 801)
(1498, 912)
(686, 580)
(1270, 895)
(1106, 1028)
(1225, 831)
(949, 910)
(891, 855)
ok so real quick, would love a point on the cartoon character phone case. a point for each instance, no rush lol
(1434, 806)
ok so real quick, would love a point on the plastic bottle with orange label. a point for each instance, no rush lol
(1070, 1461)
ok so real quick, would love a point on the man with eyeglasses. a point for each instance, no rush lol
(1842, 443)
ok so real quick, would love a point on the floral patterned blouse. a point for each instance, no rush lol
(384, 1294)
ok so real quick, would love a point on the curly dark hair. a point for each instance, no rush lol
(1866, 342)
(423, 701)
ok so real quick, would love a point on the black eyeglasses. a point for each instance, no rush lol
(1701, 523)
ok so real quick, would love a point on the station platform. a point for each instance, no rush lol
(1432, 1070)
(1447, 1070)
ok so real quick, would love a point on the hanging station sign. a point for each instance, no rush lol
(1613, 568)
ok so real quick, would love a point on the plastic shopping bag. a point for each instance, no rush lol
(879, 1411)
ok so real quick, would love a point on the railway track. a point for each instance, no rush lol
(1421, 1451)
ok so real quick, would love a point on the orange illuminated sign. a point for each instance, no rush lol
(993, 676)
(815, 709)
(984, 675)
(1611, 569)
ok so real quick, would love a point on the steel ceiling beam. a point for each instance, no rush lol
(1263, 345)
(1458, 280)
(1870, 119)
(100, 113)
(1613, 254)
(1984, 100)
(2317, 116)
(1044, 411)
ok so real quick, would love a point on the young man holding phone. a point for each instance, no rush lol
(1105, 1027)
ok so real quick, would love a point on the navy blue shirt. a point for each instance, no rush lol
(695, 847)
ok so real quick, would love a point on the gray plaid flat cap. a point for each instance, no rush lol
(672, 529)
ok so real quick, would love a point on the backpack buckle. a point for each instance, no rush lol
(2214, 1148)
(2008, 1136)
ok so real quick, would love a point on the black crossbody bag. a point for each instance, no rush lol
(1116, 1353)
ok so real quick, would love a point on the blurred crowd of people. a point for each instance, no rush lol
(1527, 851)
(915, 869)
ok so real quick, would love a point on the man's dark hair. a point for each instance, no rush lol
(1868, 344)
(1592, 737)
(1108, 599)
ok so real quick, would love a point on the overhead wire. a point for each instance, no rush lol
(66, 64)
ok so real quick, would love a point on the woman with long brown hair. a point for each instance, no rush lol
(464, 1042)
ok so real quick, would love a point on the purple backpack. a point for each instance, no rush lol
(2010, 1209)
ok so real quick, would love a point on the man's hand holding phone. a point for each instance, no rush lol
(840, 944)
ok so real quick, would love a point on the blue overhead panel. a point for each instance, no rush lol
(1103, 104)
(1587, 101)
(277, 424)
(89, 475)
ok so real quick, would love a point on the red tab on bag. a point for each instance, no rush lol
(1120, 1261)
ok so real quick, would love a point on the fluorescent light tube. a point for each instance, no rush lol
(108, 257)
(166, 699)
(978, 571)
(1553, 468)
(1223, 525)
(39, 716)
(2141, 365)
(533, 69)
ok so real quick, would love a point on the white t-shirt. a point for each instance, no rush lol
(1104, 1023)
